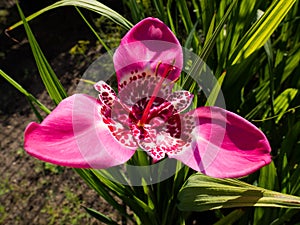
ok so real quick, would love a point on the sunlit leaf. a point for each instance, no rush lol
(216, 91)
(209, 43)
(262, 29)
(292, 63)
(187, 21)
(202, 193)
(282, 102)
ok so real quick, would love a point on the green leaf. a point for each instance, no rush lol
(99, 216)
(201, 193)
(284, 167)
(289, 145)
(210, 31)
(215, 93)
(295, 181)
(285, 218)
(29, 96)
(160, 9)
(207, 14)
(270, 56)
(92, 5)
(187, 21)
(208, 46)
(291, 63)
(261, 31)
(50, 80)
(232, 217)
(91, 179)
(170, 17)
(267, 179)
(94, 32)
(189, 39)
(282, 102)
(136, 9)
(140, 208)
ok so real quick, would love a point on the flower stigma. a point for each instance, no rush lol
(165, 74)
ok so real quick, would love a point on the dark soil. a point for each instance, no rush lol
(32, 192)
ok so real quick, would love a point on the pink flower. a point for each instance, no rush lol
(84, 132)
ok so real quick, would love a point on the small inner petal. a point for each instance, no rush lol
(120, 131)
(181, 100)
(114, 115)
(106, 94)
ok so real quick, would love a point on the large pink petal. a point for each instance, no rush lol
(145, 45)
(74, 135)
(224, 145)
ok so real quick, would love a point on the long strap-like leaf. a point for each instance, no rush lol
(92, 5)
(50, 80)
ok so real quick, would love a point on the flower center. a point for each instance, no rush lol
(167, 71)
(146, 112)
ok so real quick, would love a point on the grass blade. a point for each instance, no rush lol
(29, 96)
(99, 216)
(231, 217)
(210, 43)
(50, 80)
(282, 103)
(261, 31)
(94, 32)
(91, 5)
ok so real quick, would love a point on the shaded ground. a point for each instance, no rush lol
(32, 192)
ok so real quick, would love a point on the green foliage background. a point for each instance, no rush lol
(253, 48)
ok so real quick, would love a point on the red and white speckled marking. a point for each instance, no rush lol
(163, 131)
(136, 87)
(118, 128)
(181, 100)
(106, 94)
